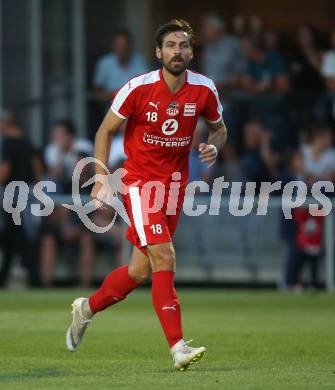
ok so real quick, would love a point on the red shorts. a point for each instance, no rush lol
(153, 213)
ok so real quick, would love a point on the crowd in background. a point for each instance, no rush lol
(38, 241)
(278, 98)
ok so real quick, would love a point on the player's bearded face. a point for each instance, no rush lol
(176, 52)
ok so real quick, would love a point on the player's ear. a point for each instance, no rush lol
(191, 53)
(158, 53)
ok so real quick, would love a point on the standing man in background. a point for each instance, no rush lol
(116, 68)
(222, 58)
(18, 164)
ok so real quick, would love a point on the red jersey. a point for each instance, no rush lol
(309, 231)
(161, 124)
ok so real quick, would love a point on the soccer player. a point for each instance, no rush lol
(162, 108)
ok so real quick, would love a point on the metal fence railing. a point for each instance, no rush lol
(225, 248)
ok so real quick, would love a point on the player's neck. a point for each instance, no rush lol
(174, 83)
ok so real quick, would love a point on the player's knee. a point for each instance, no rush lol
(164, 259)
(140, 276)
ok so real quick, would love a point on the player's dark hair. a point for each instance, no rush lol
(173, 26)
(67, 125)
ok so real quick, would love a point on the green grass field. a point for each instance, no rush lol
(254, 340)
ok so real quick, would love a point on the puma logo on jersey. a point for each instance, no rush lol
(154, 105)
(170, 307)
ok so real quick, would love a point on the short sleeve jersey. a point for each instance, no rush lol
(161, 124)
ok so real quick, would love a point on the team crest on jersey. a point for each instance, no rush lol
(190, 109)
(173, 109)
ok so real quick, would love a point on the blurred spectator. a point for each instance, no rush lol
(303, 235)
(259, 160)
(305, 75)
(18, 163)
(115, 69)
(112, 240)
(309, 241)
(62, 153)
(328, 64)
(265, 81)
(319, 155)
(271, 45)
(328, 73)
(61, 157)
(231, 164)
(294, 167)
(63, 227)
(14, 145)
(256, 29)
(305, 64)
(222, 58)
(293, 170)
(265, 71)
(238, 26)
(271, 40)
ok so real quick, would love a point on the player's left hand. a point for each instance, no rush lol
(208, 154)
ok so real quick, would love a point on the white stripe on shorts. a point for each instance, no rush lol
(136, 209)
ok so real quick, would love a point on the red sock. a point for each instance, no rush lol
(116, 286)
(166, 303)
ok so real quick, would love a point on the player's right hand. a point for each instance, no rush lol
(99, 193)
(208, 154)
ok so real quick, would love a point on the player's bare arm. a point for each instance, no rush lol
(216, 141)
(103, 140)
